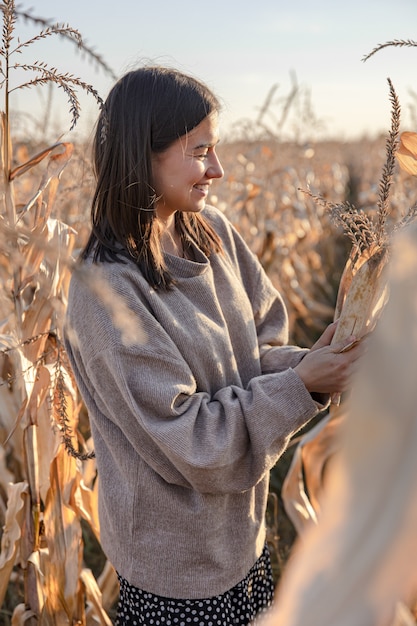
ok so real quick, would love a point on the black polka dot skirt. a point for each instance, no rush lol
(237, 607)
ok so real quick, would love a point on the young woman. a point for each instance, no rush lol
(190, 413)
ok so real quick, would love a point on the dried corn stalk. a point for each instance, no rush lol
(45, 492)
(42, 539)
(361, 298)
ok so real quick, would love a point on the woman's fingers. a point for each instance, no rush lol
(326, 338)
(329, 369)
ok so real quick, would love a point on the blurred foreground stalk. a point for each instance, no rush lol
(358, 565)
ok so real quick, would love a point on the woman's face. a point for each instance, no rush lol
(184, 172)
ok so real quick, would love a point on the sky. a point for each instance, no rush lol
(241, 49)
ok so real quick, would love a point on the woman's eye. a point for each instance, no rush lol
(202, 156)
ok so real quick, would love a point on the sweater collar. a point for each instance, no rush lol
(184, 268)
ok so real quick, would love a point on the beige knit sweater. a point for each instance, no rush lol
(188, 416)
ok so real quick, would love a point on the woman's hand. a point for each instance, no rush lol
(328, 369)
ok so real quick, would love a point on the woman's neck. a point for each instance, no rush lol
(170, 239)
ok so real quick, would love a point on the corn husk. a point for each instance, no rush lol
(362, 296)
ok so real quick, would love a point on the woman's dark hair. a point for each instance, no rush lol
(146, 111)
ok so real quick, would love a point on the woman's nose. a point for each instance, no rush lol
(214, 169)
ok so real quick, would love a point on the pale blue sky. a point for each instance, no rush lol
(241, 48)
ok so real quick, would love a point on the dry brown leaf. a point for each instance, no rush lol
(61, 240)
(85, 502)
(316, 458)
(13, 429)
(89, 468)
(6, 476)
(51, 439)
(55, 166)
(37, 321)
(407, 153)
(21, 615)
(64, 541)
(35, 160)
(9, 408)
(304, 483)
(36, 566)
(409, 141)
(109, 586)
(11, 532)
(38, 318)
(95, 609)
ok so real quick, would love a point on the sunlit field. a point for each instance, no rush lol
(301, 247)
(309, 208)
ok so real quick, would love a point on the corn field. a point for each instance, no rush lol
(321, 217)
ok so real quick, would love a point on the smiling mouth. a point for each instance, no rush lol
(203, 188)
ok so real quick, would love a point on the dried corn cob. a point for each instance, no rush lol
(364, 297)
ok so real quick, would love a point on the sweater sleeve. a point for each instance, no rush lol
(269, 310)
(271, 321)
(224, 443)
(271, 318)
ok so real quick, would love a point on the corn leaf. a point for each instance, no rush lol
(11, 533)
(95, 610)
(407, 153)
